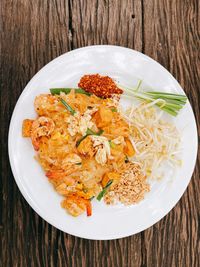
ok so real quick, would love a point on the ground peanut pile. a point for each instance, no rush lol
(131, 187)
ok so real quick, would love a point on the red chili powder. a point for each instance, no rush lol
(101, 86)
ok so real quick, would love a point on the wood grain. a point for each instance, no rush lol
(33, 33)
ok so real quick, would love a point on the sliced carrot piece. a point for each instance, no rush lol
(89, 208)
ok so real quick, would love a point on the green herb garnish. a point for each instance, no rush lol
(88, 132)
(79, 163)
(57, 91)
(168, 102)
(112, 145)
(102, 193)
(80, 140)
(70, 109)
(113, 109)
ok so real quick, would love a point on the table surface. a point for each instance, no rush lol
(33, 32)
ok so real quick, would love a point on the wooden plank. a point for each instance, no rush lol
(171, 37)
(112, 22)
(32, 34)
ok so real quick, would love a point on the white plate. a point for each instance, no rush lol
(126, 66)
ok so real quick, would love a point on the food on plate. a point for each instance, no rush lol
(101, 86)
(90, 147)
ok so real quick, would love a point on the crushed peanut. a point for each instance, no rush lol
(131, 187)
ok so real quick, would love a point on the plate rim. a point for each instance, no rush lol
(20, 185)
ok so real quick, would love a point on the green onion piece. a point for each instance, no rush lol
(88, 132)
(80, 140)
(57, 91)
(102, 193)
(70, 109)
(100, 132)
(138, 85)
(169, 110)
(113, 109)
(168, 102)
(79, 163)
(112, 145)
(168, 94)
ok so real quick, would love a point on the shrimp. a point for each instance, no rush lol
(58, 176)
(76, 205)
(42, 126)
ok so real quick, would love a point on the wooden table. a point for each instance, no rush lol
(33, 32)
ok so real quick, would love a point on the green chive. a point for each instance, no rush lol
(80, 140)
(113, 109)
(167, 94)
(138, 85)
(173, 102)
(70, 109)
(112, 145)
(88, 132)
(57, 91)
(103, 192)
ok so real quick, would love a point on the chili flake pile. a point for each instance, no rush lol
(101, 86)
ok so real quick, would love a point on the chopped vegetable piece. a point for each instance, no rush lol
(112, 145)
(70, 109)
(85, 147)
(80, 140)
(79, 163)
(57, 91)
(108, 177)
(88, 132)
(138, 85)
(89, 208)
(113, 109)
(103, 192)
